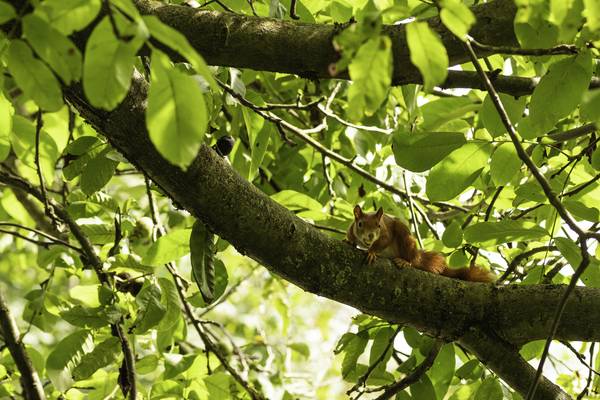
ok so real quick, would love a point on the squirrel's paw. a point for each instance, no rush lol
(371, 257)
(401, 262)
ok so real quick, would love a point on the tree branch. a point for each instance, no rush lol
(30, 381)
(504, 359)
(213, 192)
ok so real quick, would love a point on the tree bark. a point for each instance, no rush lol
(30, 381)
(304, 49)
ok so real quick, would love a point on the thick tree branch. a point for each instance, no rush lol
(504, 359)
(306, 49)
(30, 381)
(241, 214)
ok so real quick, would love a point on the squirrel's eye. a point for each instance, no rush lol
(360, 224)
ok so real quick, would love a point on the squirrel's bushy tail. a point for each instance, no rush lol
(473, 274)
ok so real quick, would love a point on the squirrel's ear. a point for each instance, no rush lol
(379, 213)
(357, 211)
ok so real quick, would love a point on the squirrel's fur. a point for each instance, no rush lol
(386, 236)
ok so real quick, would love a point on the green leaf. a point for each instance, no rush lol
(592, 14)
(176, 41)
(23, 144)
(85, 317)
(581, 211)
(258, 134)
(455, 173)
(503, 232)
(371, 74)
(469, 370)
(150, 311)
(457, 17)
(170, 247)
(354, 348)
(423, 389)
(6, 117)
(295, 201)
(427, 53)
(202, 252)
(34, 77)
(453, 235)
(176, 116)
(218, 386)
(380, 342)
(65, 355)
(82, 145)
(491, 119)
(53, 47)
(532, 25)
(490, 389)
(595, 159)
(570, 251)
(176, 364)
(532, 350)
(70, 15)
(505, 164)
(108, 66)
(171, 302)
(442, 370)
(590, 109)
(104, 354)
(558, 93)
(97, 173)
(419, 152)
(7, 12)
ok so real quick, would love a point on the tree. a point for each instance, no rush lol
(112, 140)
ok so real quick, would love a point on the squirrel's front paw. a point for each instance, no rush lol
(400, 262)
(371, 257)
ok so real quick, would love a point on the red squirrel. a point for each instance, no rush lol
(386, 236)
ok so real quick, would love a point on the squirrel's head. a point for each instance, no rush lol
(367, 226)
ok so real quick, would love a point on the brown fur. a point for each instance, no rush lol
(386, 236)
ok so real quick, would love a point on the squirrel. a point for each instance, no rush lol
(386, 236)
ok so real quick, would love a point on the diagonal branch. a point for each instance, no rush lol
(30, 381)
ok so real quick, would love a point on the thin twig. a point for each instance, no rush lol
(230, 290)
(304, 135)
(573, 133)
(585, 260)
(38, 168)
(92, 259)
(552, 197)
(363, 379)
(523, 256)
(325, 111)
(580, 356)
(178, 280)
(586, 389)
(55, 240)
(559, 49)
(414, 376)
(30, 381)
(412, 211)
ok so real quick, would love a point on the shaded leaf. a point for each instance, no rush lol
(202, 251)
(104, 354)
(420, 151)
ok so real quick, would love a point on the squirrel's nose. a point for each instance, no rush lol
(370, 236)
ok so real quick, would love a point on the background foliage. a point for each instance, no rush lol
(440, 159)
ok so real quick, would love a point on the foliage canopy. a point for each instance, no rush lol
(122, 286)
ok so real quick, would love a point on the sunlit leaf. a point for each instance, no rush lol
(176, 116)
(34, 77)
(503, 232)
(427, 53)
(170, 247)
